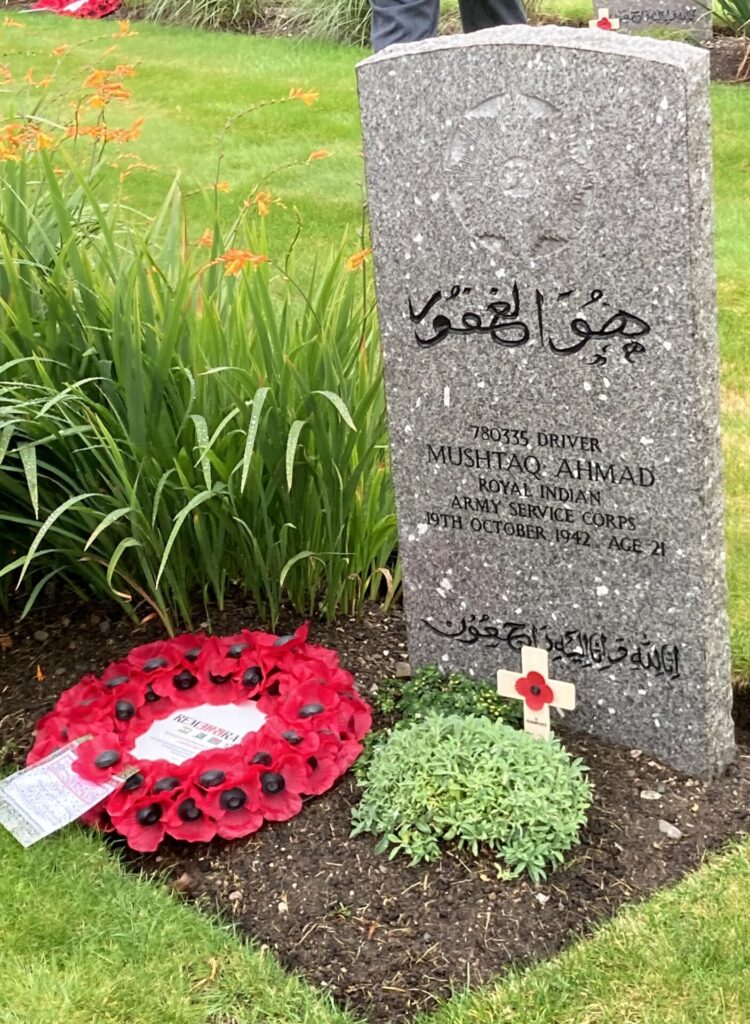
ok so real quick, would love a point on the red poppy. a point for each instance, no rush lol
(187, 818)
(299, 704)
(534, 690)
(99, 758)
(143, 822)
(157, 657)
(604, 23)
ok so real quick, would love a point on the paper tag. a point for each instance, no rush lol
(40, 799)
(187, 732)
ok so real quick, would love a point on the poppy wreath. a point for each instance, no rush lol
(314, 723)
(88, 9)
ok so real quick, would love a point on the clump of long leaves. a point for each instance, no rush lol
(168, 430)
(340, 21)
(219, 15)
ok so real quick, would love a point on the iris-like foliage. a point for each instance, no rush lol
(476, 783)
(176, 418)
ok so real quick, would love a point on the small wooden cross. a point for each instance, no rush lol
(603, 20)
(536, 690)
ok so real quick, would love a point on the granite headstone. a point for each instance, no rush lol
(541, 211)
(668, 17)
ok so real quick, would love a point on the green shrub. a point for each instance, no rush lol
(432, 691)
(476, 783)
(169, 430)
(735, 14)
(219, 15)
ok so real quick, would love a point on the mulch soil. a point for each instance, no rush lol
(383, 938)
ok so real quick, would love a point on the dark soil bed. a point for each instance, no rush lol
(385, 939)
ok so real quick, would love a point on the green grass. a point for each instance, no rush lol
(85, 943)
(681, 958)
(731, 113)
(188, 83)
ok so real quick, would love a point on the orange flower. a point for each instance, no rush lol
(308, 98)
(10, 23)
(60, 51)
(104, 134)
(96, 79)
(124, 30)
(222, 186)
(206, 239)
(355, 262)
(41, 84)
(6, 78)
(319, 154)
(235, 260)
(124, 71)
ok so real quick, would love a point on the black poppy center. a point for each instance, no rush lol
(107, 758)
(213, 777)
(116, 681)
(192, 654)
(233, 799)
(272, 783)
(308, 710)
(313, 762)
(188, 811)
(148, 815)
(150, 695)
(124, 710)
(185, 680)
(165, 785)
(217, 679)
(252, 676)
(283, 640)
(291, 737)
(536, 690)
(261, 758)
(133, 782)
(153, 663)
(236, 650)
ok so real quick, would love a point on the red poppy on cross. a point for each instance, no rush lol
(537, 691)
(603, 20)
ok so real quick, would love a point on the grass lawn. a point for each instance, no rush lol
(85, 943)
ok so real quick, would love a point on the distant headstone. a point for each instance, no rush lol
(675, 17)
(542, 227)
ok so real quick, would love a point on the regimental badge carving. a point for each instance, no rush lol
(508, 194)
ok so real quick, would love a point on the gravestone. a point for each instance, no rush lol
(669, 17)
(541, 212)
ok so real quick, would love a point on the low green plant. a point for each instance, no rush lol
(433, 691)
(476, 783)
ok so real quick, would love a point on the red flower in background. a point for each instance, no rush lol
(534, 690)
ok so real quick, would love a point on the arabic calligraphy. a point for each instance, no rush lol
(663, 16)
(574, 646)
(500, 322)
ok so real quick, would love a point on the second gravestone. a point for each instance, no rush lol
(541, 213)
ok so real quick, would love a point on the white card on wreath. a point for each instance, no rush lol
(189, 731)
(40, 799)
